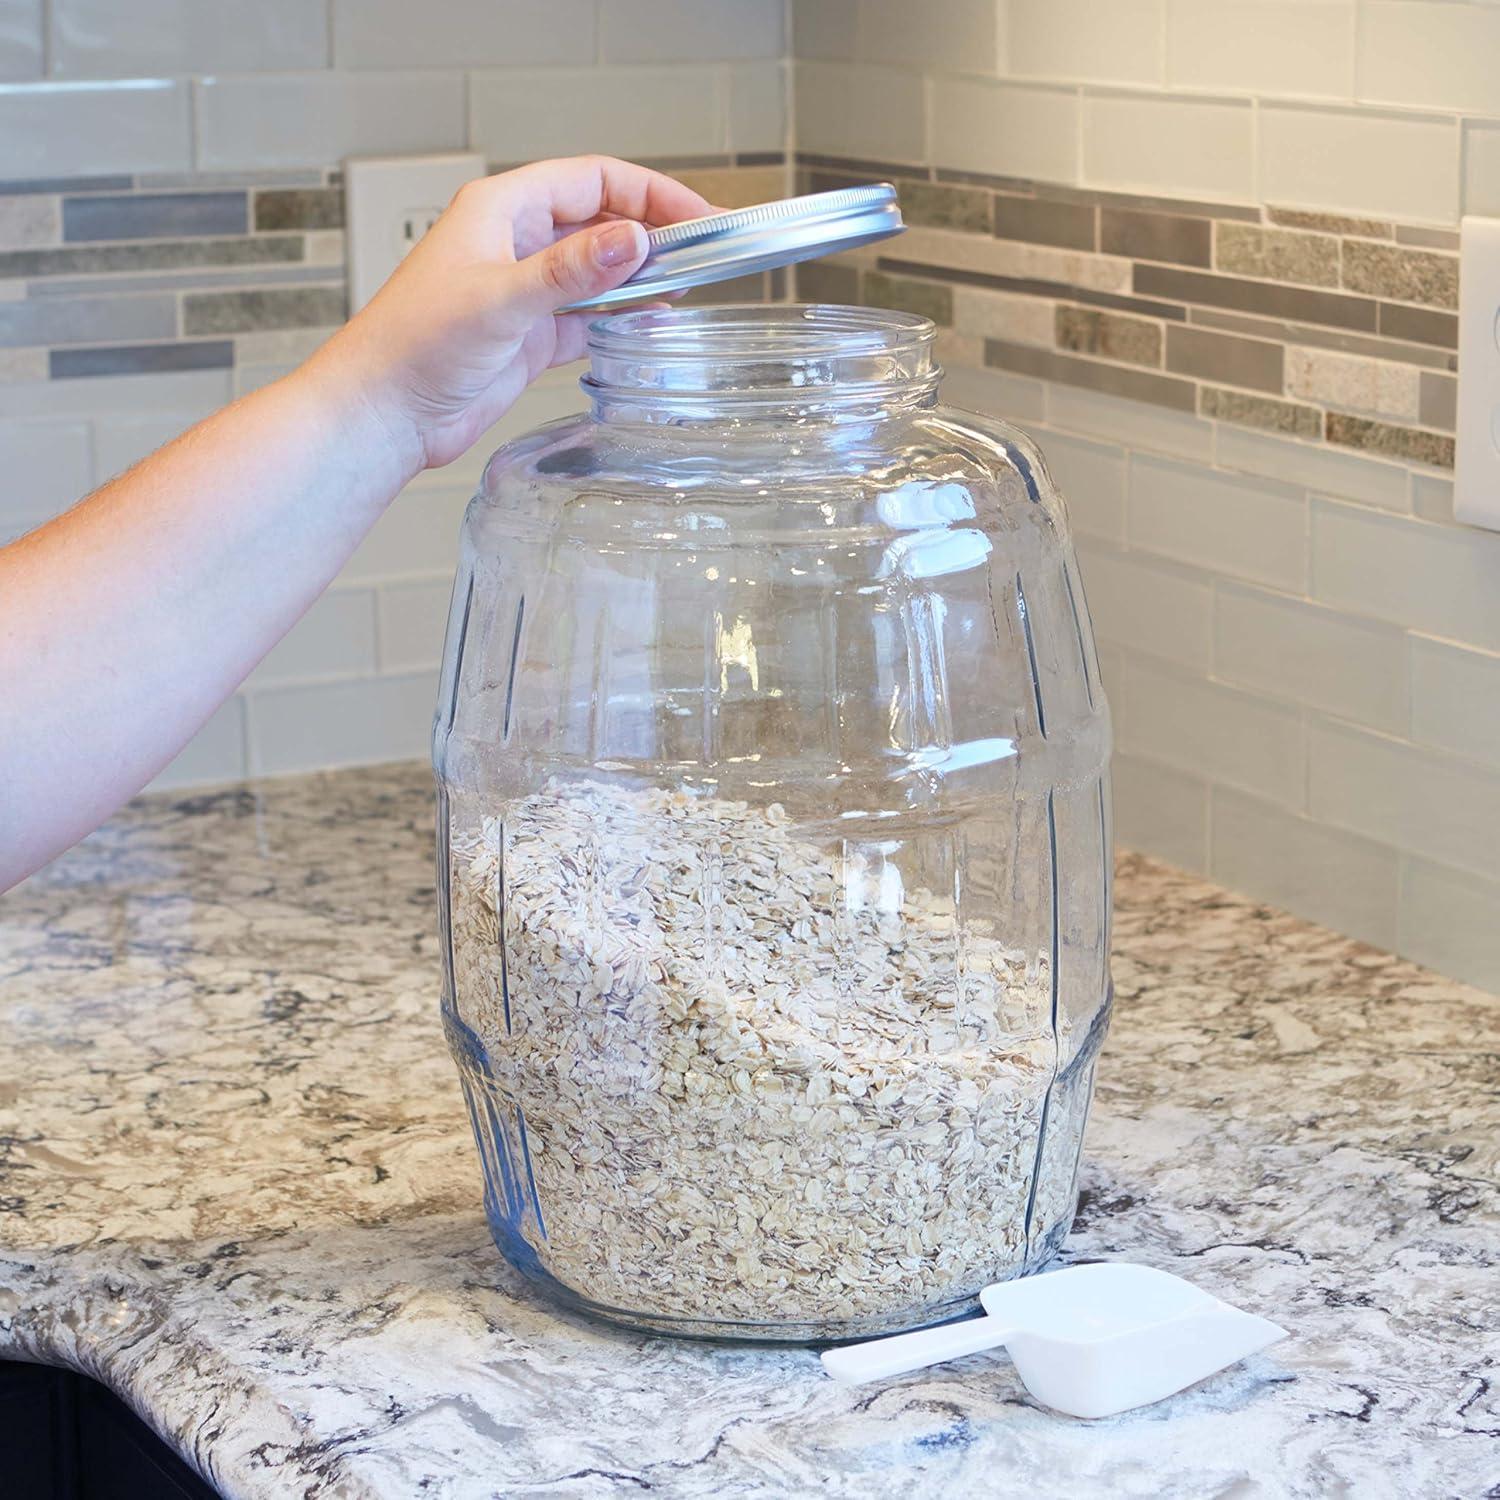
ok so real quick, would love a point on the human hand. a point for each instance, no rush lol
(470, 317)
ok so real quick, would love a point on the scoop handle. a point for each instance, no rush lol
(876, 1359)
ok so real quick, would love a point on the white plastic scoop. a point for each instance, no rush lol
(1087, 1340)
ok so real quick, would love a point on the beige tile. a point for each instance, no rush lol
(1482, 167)
(662, 31)
(1455, 699)
(927, 299)
(1089, 330)
(1147, 605)
(973, 252)
(1153, 429)
(1450, 921)
(757, 108)
(1266, 412)
(1091, 477)
(737, 187)
(1347, 380)
(952, 349)
(1132, 382)
(958, 35)
(1275, 48)
(215, 754)
(1342, 664)
(1109, 41)
(1401, 274)
(22, 366)
(1252, 529)
(413, 619)
(994, 393)
(1318, 468)
(1169, 144)
(1439, 579)
(1417, 53)
(1008, 129)
(1220, 733)
(334, 639)
(357, 723)
(28, 220)
(1003, 315)
(1396, 793)
(160, 38)
(1360, 161)
(858, 110)
(1406, 443)
(1335, 878)
(53, 130)
(1161, 811)
(1280, 254)
(311, 119)
(946, 205)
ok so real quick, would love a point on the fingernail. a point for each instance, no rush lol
(618, 243)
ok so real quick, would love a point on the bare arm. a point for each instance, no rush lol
(125, 622)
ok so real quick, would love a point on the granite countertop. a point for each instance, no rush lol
(237, 1184)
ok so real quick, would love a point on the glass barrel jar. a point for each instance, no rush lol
(774, 834)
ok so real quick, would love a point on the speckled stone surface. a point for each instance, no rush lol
(236, 1183)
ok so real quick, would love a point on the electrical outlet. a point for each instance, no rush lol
(390, 203)
(1476, 475)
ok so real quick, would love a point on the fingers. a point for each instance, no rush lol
(577, 188)
(582, 265)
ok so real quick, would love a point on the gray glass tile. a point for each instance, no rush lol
(1034, 287)
(1114, 380)
(1322, 338)
(1433, 239)
(259, 177)
(1419, 324)
(87, 320)
(759, 158)
(1438, 401)
(985, 180)
(1270, 299)
(109, 184)
(1044, 221)
(1224, 358)
(141, 359)
(158, 255)
(876, 170)
(818, 282)
(179, 281)
(154, 216)
(1153, 236)
(924, 298)
(244, 312)
(1143, 203)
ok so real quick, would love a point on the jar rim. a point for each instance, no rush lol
(751, 330)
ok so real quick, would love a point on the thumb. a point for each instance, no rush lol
(579, 265)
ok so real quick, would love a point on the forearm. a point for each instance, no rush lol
(128, 620)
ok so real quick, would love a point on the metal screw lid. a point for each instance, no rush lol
(745, 240)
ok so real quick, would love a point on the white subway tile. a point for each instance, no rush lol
(1439, 579)
(1248, 528)
(1112, 675)
(1335, 878)
(462, 33)
(993, 393)
(1353, 382)
(757, 106)
(249, 378)
(1133, 423)
(1148, 606)
(860, 110)
(215, 754)
(1161, 811)
(153, 38)
(825, 30)
(72, 129)
(960, 35)
(1417, 52)
(1318, 468)
(335, 638)
(661, 31)
(20, 39)
(413, 620)
(28, 220)
(1359, 161)
(1455, 699)
(357, 723)
(311, 119)
(1184, 146)
(1347, 666)
(196, 392)
(1110, 41)
(123, 440)
(46, 467)
(522, 114)
(1397, 793)
(974, 252)
(1216, 732)
(1091, 477)
(1482, 168)
(1008, 129)
(1267, 47)
(418, 535)
(1450, 921)
(1432, 498)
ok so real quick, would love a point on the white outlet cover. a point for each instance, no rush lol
(1476, 474)
(388, 201)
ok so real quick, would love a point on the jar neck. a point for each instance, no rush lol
(759, 364)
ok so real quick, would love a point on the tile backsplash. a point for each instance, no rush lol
(1204, 249)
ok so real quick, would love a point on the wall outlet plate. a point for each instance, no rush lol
(389, 204)
(1476, 474)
